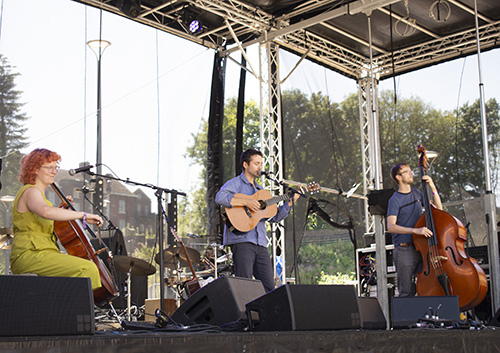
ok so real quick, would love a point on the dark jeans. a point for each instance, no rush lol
(408, 262)
(252, 260)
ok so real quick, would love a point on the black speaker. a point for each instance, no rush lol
(378, 201)
(40, 306)
(305, 307)
(219, 302)
(495, 320)
(372, 317)
(407, 311)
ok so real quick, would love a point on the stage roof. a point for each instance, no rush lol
(406, 35)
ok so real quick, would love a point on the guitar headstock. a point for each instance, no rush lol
(313, 187)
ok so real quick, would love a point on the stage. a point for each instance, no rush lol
(386, 341)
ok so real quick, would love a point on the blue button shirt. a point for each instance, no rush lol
(241, 185)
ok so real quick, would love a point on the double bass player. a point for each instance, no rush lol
(404, 210)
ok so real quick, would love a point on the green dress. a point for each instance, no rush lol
(35, 250)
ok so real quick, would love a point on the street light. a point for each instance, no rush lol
(6, 199)
(98, 46)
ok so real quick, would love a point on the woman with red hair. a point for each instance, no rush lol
(34, 249)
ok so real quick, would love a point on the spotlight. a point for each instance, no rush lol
(195, 26)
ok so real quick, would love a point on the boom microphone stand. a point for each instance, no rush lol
(292, 192)
(159, 195)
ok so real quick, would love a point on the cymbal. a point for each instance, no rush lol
(137, 266)
(6, 241)
(175, 255)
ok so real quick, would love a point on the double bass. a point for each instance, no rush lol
(75, 240)
(447, 270)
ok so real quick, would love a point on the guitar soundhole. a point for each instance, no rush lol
(262, 204)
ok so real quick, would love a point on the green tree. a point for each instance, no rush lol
(455, 135)
(12, 132)
(193, 214)
(322, 143)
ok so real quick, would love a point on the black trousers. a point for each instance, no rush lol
(251, 260)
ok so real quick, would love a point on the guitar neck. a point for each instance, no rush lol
(277, 199)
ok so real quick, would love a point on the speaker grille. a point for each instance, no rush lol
(36, 305)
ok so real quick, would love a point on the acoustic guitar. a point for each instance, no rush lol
(243, 219)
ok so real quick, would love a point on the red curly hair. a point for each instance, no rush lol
(31, 163)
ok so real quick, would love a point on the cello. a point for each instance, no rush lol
(447, 270)
(73, 236)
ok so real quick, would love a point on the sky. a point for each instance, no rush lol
(156, 88)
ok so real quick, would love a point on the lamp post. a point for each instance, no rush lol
(98, 46)
(6, 200)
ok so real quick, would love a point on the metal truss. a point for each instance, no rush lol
(365, 95)
(439, 50)
(245, 20)
(271, 145)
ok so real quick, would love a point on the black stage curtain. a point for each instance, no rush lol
(214, 143)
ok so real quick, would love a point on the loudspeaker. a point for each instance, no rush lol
(219, 302)
(305, 307)
(407, 311)
(495, 320)
(40, 306)
(372, 317)
(378, 201)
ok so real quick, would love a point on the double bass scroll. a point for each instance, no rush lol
(75, 240)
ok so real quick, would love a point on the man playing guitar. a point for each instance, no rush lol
(250, 254)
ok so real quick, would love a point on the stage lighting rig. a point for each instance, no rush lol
(195, 26)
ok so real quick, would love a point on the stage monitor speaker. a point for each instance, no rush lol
(495, 320)
(372, 317)
(407, 311)
(305, 307)
(219, 302)
(41, 306)
(378, 201)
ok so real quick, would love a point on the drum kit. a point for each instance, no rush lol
(206, 267)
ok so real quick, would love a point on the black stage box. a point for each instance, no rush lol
(407, 311)
(372, 317)
(219, 302)
(305, 307)
(40, 306)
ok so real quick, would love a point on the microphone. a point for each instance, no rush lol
(263, 172)
(86, 168)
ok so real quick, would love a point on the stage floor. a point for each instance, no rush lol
(372, 341)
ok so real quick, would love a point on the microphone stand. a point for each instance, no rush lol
(292, 192)
(159, 192)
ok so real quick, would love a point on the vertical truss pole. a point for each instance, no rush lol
(365, 123)
(372, 171)
(271, 144)
(489, 196)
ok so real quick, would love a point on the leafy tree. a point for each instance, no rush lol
(12, 132)
(193, 214)
(322, 143)
(455, 135)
